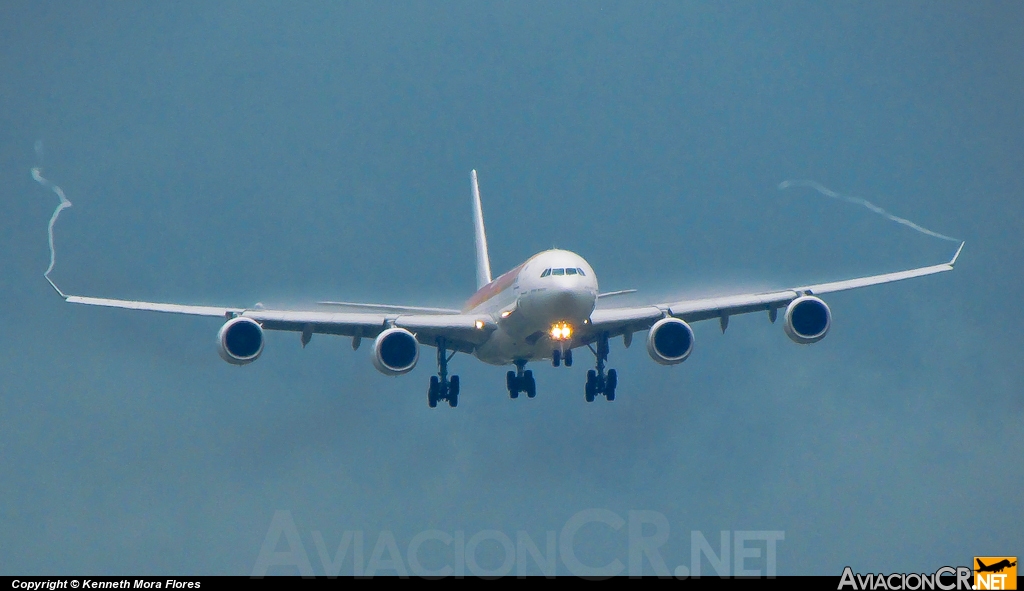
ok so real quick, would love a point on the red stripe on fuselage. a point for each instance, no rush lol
(493, 288)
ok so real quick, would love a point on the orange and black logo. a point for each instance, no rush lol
(995, 572)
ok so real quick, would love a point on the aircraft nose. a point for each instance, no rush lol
(563, 300)
(572, 303)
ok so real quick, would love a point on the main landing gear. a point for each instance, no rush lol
(441, 386)
(520, 381)
(598, 382)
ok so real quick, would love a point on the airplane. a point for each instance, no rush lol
(994, 568)
(543, 309)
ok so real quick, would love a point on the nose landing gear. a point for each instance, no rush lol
(441, 386)
(520, 381)
(598, 382)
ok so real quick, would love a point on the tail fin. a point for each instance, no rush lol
(483, 262)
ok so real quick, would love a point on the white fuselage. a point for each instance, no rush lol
(555, 288)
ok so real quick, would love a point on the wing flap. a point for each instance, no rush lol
(616, 321)
(301, 318)
(606, 316)
(345, 324)
(391, 308)
(463, 331)
(703, 309)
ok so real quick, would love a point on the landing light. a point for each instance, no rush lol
(479, 324)
(561, 331)
(506, 313)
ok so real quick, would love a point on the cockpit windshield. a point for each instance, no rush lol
(563, 271)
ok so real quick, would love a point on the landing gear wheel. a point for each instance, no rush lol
(568, 358)
(453, 387)
(432, 392)
(610, 383)
(530, 384)
(591, 388)
(556, 358)
(512, 385)
(453, 400)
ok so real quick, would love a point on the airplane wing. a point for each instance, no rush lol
(627, 320)
(461, 331)
(391, 308)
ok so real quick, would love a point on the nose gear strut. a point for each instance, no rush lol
(441, 386)
(598, 382)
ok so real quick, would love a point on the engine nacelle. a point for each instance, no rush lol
(240, 341)
(807, 320)
(395, 352)
(670, 341)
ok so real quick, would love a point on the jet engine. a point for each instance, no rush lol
(807, 320)
(670, 341)
(240, 340)
(395, 352)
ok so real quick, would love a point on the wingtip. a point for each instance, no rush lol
(952, 261)
(55, 288)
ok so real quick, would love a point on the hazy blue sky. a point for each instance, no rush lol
(239, 152)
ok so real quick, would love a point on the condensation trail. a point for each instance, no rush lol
(37, 174)
(864, 202)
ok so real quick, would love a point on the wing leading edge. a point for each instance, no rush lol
(618, 321)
